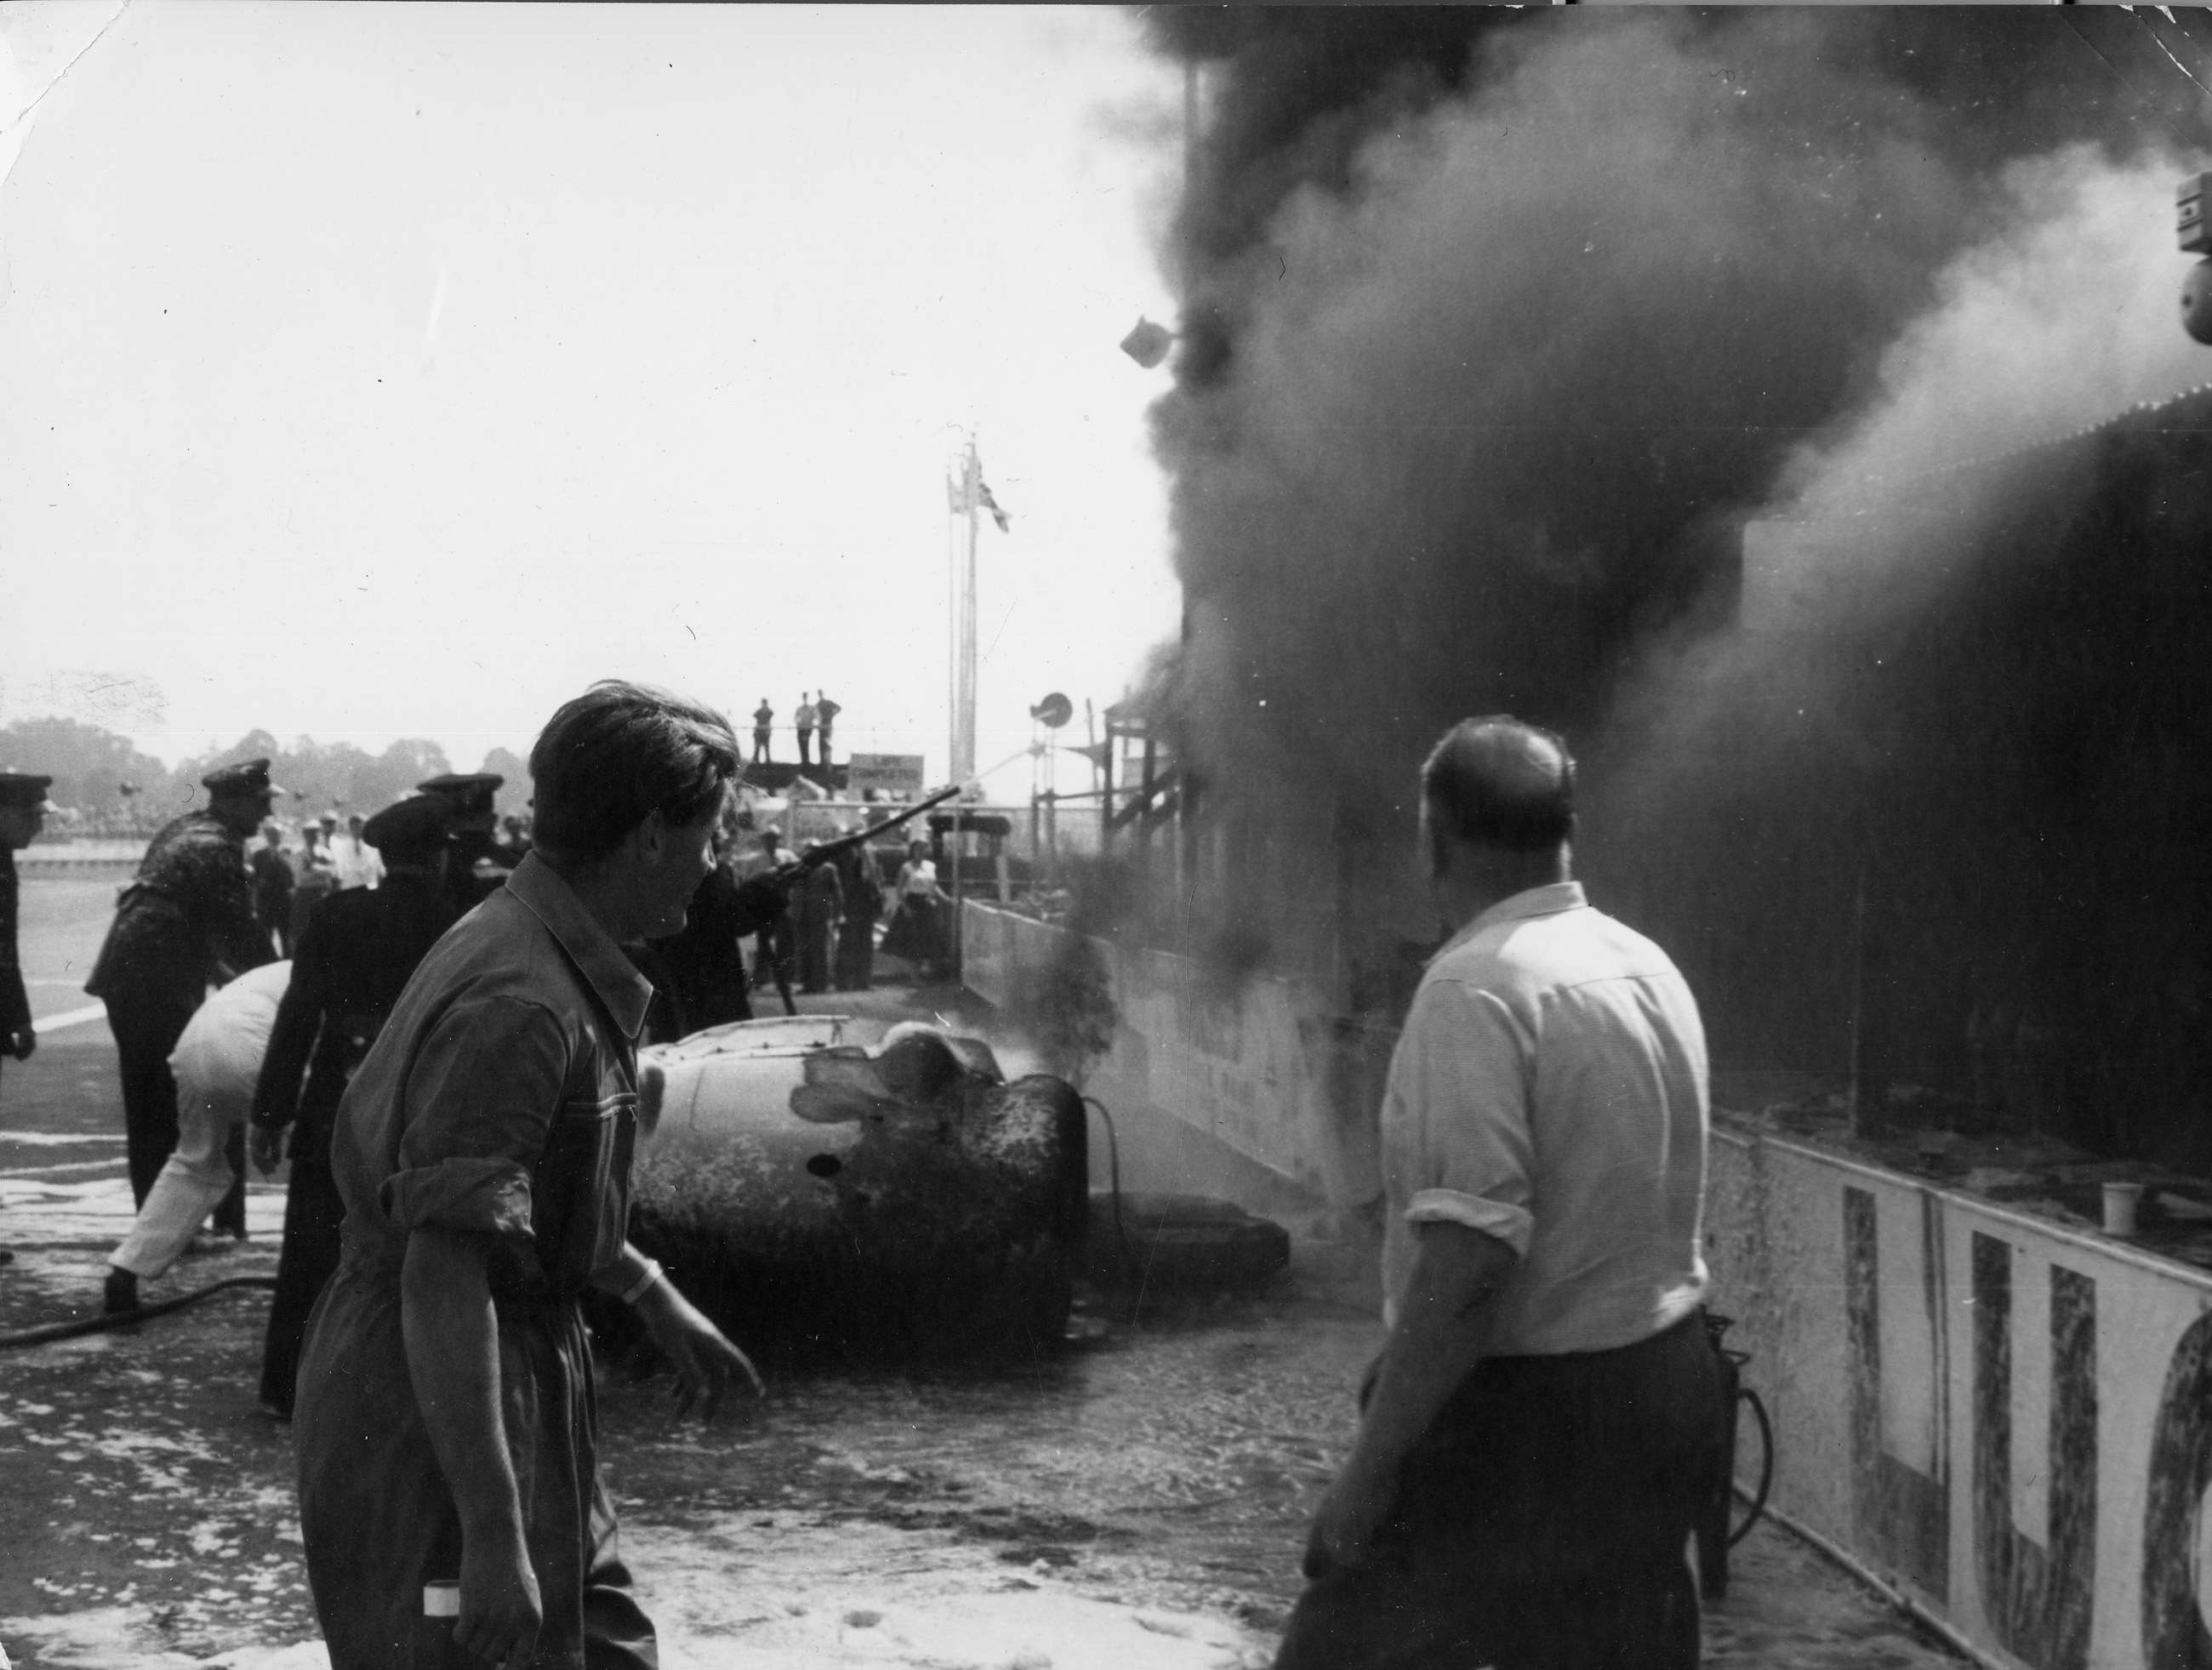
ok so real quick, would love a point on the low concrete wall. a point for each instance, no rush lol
(1261, 1070)
(2009, 1418)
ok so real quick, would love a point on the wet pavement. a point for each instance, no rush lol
(1138, 1502)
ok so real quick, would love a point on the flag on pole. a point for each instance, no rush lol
(983, 497)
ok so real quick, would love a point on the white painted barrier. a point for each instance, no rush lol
(2009, 1418)
(74, 859)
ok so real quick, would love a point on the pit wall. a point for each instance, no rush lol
(2009, 1420)
(1263, 1074)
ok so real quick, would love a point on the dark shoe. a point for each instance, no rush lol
(121, 1294)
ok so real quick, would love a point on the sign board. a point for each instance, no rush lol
(888, 775)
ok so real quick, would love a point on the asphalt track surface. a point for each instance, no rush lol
(1137, 1505)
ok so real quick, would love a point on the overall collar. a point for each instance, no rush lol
(623, 989)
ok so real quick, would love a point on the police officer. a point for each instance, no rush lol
(185, 924)
(476, 865)
(23, 809)
(348, 969)
(698, 973)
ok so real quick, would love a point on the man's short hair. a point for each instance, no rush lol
(1501, 781)
(617, 753)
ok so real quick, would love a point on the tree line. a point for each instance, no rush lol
(106, 788)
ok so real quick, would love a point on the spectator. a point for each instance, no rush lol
(272, 887)
(315, 877)
(818, 903)
(354, 858)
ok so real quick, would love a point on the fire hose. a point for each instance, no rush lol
(1114, 1176)
(106, 1320)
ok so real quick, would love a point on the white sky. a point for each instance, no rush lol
(382, 370)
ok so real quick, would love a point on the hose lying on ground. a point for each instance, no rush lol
(107, 1320)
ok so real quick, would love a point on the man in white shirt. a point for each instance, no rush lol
(802, 720)
(216, 1061)
(1543, 1420)
(358, 864)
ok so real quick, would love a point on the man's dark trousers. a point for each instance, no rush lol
(146, 1023)
(1541, 1523)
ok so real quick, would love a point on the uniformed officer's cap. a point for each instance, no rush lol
(248, 777)
(468, 790)
(25, 788)
(409, 828)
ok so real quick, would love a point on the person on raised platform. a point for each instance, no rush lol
(1542, 1426)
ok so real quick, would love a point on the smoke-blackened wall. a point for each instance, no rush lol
(1502, 324)
(1945, 777)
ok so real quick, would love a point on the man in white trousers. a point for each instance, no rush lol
(216, 1062)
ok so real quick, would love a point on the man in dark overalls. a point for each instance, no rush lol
(349, 967)
(445, 1420)
(185, 923)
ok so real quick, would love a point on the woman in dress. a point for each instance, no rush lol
(917, 928)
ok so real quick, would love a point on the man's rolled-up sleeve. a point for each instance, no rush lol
(481, 1100)
(1463, 1076)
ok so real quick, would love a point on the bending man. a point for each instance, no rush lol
(1540, 1425)
(446, 1416)
(216, 1059)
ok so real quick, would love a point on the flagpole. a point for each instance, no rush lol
(956, 494)
(963, 710)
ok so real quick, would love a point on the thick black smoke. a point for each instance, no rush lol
(1500, 324)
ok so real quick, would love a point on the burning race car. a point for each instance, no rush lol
(819, 1199)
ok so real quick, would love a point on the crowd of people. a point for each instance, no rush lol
(295, 863)
(450, 1062)
(245, 981)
